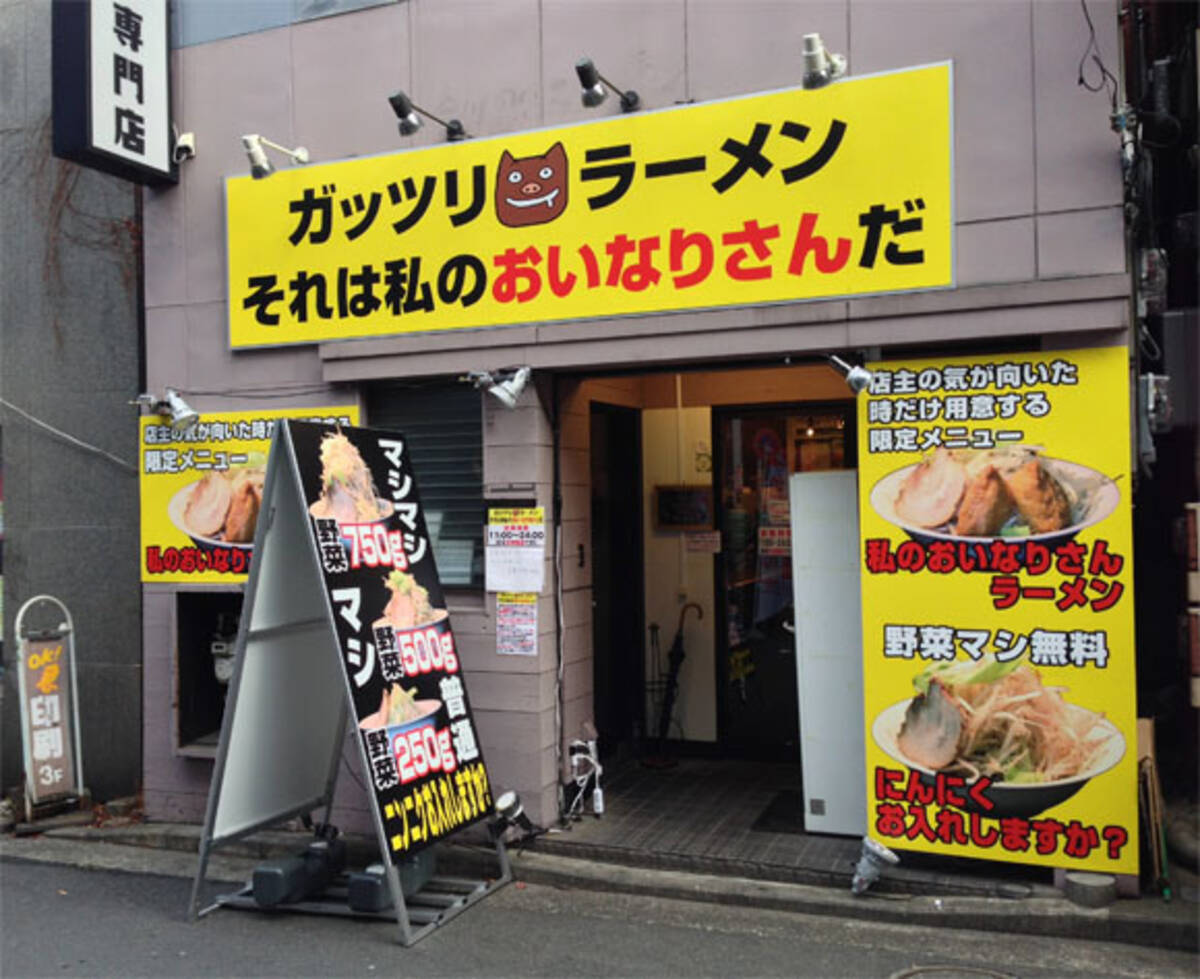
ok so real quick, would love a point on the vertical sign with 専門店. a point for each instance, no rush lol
(112, 87)
(395, 642)
(129, 71)
(997, 606)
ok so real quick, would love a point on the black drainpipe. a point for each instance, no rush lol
(556, 517)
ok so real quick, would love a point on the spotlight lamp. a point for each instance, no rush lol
(510, 390)
(410, 114)
(593, 92)
(260, 163)
(857, 378)
(820, 67)
(510, 812)
(171, 405)
(872, 861)
(507, 391)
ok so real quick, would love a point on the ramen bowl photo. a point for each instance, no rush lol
(348, 494)
(1014, 493)
(994, 720)
(425, 712)
(399, 711)
(215, 517)
(1023, 799)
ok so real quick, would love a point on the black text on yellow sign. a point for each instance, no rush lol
(774, 197)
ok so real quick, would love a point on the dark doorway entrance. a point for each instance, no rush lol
(617, 592)
(756, 451)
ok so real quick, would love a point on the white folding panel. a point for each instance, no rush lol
(824, 515)
(289, 701)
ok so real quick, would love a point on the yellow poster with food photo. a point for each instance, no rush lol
(201, 491)
(772, 197)
(997, 596)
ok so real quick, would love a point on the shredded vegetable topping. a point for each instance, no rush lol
(409, 605)
(347, 489)
(401, 705)
(1015, 729)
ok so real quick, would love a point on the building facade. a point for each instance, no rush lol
(617, 406)
(70, 364)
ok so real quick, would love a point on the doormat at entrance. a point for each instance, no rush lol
(783, 814)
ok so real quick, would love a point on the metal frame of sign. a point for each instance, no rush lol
(65, 630)
(273, 762)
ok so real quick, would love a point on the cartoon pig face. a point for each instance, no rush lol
(532, 190)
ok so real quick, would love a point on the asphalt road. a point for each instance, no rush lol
(66, 921)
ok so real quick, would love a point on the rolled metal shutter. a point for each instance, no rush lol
(443, 428)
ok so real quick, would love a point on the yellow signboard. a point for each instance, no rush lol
(201, 491)
(517, 515)
(997, 597)
(783, 196)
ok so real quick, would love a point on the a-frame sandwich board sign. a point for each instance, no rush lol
(343, 617)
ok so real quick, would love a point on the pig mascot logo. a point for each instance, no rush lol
(532, 190)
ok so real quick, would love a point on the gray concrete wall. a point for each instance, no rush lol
(1038, 235)
(69, 358)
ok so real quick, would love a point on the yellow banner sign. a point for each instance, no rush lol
(201, 491)
(776, 197)
(518, 515)
(997, 596)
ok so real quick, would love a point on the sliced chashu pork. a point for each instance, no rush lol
(204, 513)
(929, 496)
(932, 728)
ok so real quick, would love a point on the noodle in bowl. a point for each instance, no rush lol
(176, 511)
(1095, 498)
(1009, 799)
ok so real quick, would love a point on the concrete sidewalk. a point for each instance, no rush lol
(170, 849)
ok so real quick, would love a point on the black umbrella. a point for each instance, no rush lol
(674, 662)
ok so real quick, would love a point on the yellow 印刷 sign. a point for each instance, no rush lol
(997, 608)
(781, 196)
(201, 491)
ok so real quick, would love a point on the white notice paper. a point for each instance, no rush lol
(515, 551)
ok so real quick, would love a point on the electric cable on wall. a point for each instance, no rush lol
(59, 433)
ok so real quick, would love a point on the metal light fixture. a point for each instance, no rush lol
(507, 391)
(410, 114)
(510, 812)
(594, 93)
(857, 378)
(875, 856)
(171, 405)
(260, 164)
(820, 67)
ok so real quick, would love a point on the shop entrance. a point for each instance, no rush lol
(757, 448)
(617, 592)
(691, 551)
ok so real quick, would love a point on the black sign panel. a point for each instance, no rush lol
(397, 646)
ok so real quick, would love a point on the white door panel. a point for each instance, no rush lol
(825, 582)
